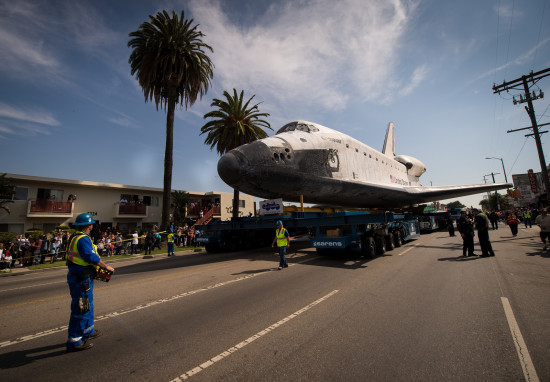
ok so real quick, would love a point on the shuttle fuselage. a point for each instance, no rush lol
(332, 168)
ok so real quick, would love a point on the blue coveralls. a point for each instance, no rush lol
(81, 325)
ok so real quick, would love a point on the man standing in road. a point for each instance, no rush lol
(282, 239)
(543, 221)
(170, 240)
(466, 229)
(482, 224)
(82, 260)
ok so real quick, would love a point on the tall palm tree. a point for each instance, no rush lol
(233, 124)
(171, 65)
(179, 201)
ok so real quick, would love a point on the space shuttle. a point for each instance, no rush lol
(328, 167)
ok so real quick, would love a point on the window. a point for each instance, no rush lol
(49, 194)
(152, 201)
(297, 126)
(128, 198)
(241, 203)
(21, 193)
(15, 228)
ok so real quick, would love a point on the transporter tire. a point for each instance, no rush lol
(390, 242)
(398, 239)
(369, 248)
(380, 245)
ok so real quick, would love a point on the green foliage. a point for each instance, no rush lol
(492, 204)
(456, 204)
(168, 54)
(34, 233)
(179, 204)
(6, 192)
(233, 123)
(7, 236)
(62, 228)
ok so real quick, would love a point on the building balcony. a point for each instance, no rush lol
(130, 210)
(196, 210)
(49, 208)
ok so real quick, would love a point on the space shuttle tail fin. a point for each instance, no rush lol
(389, 141)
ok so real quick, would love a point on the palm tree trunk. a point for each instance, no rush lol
(168, 161)
(235, 203)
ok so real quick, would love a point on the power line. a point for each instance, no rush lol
(531, 78)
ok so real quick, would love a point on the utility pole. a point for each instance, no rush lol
(496, 193)
(533, 78)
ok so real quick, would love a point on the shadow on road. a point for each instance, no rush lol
(24, 357)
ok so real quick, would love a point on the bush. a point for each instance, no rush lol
(34, 233)
(62, 228)
(7, 236)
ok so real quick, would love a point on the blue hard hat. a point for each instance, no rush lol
(279, 223)
(84, 219)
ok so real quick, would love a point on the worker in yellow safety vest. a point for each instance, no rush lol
(170, 239)
(82, 260)
(282, 239)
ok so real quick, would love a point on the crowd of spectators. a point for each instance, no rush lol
(29, 250)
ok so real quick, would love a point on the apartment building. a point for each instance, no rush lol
(45, 203)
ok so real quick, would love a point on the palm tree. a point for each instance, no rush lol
(171, 65)
(6, 192)
(233, 124)
(179, 201)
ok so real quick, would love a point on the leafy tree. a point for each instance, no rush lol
(179, 204)
(233, 124)
(171, 65)
(493, 205)
(455, 205)
(6, 192)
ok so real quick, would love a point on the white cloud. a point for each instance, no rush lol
(417, 77)
(35, 116)
(310, 52)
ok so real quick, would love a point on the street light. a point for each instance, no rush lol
(503, 169)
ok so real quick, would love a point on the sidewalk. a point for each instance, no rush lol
(16, 271)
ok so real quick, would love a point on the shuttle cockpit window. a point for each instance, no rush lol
(296, 126)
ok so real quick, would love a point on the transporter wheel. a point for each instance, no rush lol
(390, 242)
(380, 245)
(369, 248)
(397, 239)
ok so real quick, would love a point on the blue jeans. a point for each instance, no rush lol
(282, 256)
(170, 249)
(81, 325)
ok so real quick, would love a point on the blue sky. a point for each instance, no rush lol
(70, 109)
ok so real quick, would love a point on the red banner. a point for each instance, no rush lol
(533, 182)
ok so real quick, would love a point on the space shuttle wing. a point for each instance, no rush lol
(367, 194)
(434, 193)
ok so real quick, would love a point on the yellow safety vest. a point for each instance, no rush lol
(281, 238)
(170, 237)
(72, 251)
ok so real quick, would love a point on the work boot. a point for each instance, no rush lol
(95, 334)
(84, 345)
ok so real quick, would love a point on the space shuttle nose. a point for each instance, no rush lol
(229, 169)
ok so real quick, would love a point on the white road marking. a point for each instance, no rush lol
(523, 353)
(33, 286)
(407, 250)
(129, 310)
(242, 344)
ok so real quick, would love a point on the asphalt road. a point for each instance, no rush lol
(419, 313)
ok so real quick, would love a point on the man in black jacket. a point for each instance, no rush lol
(466, 229)
(482, 224)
